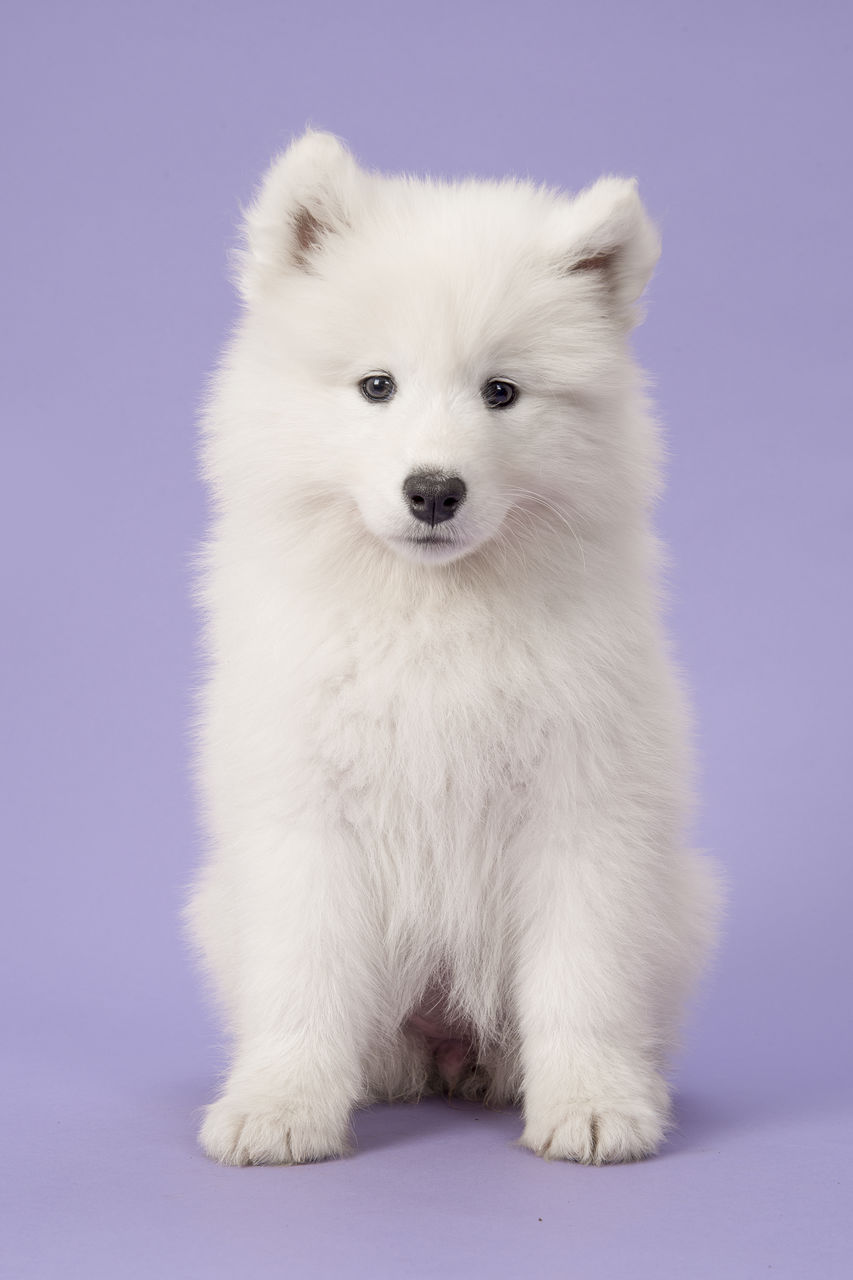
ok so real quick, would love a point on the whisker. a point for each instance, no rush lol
(516, 491)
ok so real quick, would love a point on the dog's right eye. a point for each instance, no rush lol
(499, 393)
(378, 386)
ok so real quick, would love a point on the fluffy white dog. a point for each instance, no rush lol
(442, 749)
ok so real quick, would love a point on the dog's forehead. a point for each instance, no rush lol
(445, 228)
(452, 270)
(437, 312)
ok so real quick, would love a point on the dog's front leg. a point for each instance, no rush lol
(301, 1003)
(592, 957)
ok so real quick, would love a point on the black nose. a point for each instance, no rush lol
(433, 497)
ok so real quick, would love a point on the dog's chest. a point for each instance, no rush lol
(437, 735)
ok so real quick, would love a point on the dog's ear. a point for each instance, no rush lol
(607, 237)
(308, 194)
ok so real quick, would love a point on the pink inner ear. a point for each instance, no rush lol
(309, 231)
(598, 261)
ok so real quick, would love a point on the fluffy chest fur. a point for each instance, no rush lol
(421, 733)
(428, 738)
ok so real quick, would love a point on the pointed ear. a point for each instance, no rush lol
(308, 194)
(608, 236)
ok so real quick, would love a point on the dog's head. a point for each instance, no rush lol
(449, 358)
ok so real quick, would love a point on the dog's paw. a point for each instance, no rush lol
(268, 1133)
(598, 1133)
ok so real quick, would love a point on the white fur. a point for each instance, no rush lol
(446, 782)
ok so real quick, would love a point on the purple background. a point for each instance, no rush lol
(133, 132)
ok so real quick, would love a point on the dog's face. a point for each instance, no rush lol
(443, 355)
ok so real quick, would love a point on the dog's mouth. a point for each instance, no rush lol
(429, 545)
(427, 540)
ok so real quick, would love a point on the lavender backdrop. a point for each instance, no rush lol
(132, 133)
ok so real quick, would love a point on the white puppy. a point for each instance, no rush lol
(441, 747)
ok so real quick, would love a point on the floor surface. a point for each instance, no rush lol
(104, 1180)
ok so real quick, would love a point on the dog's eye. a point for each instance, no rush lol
(499, 393)
(378, 386)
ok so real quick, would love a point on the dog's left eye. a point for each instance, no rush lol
(499, 393)
(378, 386)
